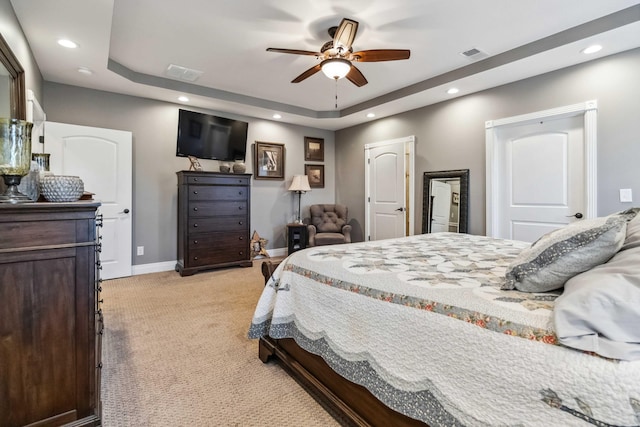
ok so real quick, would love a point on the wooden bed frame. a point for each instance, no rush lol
(349, 403)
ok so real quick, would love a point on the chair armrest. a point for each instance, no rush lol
(346, 230)
(311, 235)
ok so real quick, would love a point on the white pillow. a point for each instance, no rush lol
(561, 254)
(599, 310)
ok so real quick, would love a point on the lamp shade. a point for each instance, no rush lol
(300, 183)
(335, 68)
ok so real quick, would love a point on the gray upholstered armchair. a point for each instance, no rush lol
(328, 225)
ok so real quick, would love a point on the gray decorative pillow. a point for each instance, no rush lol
(561, 254)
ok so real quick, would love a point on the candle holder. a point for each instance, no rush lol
(15, 157)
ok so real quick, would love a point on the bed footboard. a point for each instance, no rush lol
(350, 403)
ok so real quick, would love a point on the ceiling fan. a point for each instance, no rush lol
(337, 55)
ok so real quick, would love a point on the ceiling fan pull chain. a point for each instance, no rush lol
(336, 93)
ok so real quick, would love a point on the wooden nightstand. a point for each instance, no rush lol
(297, 237)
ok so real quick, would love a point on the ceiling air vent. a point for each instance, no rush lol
(474, 54)
(183, 73)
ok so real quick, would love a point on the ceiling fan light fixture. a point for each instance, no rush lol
(335, 68)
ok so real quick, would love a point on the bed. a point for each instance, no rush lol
(421, 331)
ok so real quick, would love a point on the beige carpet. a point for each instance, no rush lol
(175, 353)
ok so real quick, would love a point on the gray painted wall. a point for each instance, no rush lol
(451, 135)
(12, 33)
(154, 125)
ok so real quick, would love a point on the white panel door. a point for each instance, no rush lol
(387, 192)
(543, 170)
(440, 206)
(102, 158)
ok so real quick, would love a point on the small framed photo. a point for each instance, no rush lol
(313, 149)
(315, 173)
(269, 160)
(195, 164)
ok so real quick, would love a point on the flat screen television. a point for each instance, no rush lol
(209, 137)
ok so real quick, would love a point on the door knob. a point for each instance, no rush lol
(400, 209)
(126, 211)
(576, 215)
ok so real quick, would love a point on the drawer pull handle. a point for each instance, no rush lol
(195, 179)
(241, 238)
(195, 209)
(195, 225)
(195, 192)
(241, 253)
(195, 258)
(240, 207)
(195, 242)
(240, 193)
(240, 222)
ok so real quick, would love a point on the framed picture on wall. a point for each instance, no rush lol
(269, 160)
(315, 173)
(313, 149)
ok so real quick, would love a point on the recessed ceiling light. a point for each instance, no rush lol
(371, 115)
(277, 116)
(592, 49)
(453, 90)
(67, 43)
(183, 99)
(85, 70)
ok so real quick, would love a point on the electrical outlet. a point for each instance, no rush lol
(140, 250)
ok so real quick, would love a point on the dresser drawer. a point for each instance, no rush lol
(217, 248)
(201, 209)
(15, 234)
(218, 180)
(201, 192)
(223, 223)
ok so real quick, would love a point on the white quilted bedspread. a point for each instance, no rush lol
(421, 322)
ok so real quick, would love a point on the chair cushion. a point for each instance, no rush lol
(329, 239)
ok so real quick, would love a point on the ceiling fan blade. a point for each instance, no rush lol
(345, 34)
(377, 55)
(310, 72)
(294, 51)
(356, 77)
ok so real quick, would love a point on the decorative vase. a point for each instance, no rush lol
(61, 188)
(224, 168)
(42, 159)
(239, 167)
(15, 157)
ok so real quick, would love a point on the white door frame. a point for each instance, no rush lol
(410, 148)
(588, 109)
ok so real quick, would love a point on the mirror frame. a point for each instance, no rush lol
(18, 102)
(463, 218)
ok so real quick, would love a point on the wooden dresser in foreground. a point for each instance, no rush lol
(213, 221)
(50, 318)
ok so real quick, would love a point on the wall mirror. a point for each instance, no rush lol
(12, 87)
(445, 201)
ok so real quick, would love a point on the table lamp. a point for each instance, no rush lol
(15, 157)
(300, 184)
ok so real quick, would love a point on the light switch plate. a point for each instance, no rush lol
(626, 195)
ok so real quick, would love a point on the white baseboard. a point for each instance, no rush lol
(158, 267)
(277, 252)
(155, 267)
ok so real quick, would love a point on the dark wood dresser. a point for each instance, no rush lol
(50, 317)
(213, 221)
